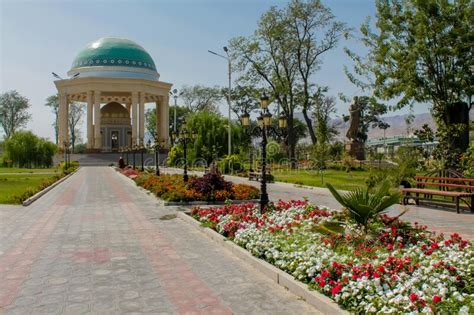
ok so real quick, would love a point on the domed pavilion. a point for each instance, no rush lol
(116, 77)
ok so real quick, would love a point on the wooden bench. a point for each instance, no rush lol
(258, 175)
(464, 190)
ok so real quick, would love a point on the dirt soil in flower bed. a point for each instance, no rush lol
(396, 268)
(210, 187)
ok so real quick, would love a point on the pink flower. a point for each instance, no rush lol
(436, 299)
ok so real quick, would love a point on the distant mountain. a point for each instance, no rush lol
(398, 125)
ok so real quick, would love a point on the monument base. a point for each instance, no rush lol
(356, 149)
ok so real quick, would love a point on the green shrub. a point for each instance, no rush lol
(468, 161)
(364, 206)
(231, 164)
(24, 149)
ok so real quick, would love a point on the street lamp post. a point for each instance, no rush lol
(229, 70)
(184, 136)
(134, 149)
(263, 128)
(158, 145)
(127, 149)
(66, 154)
(175, 94)
(142, 150)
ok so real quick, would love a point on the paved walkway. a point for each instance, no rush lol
(437, 219)
(96, 244)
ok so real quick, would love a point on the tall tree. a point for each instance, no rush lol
(150, 119)
(314, 31)
(13, 112)
(245, 99)
(324, 107)
(267, 58)
(198, 98)
(370, 116)
(422, 53)
(284, 53)
(76, 112)
(53, 102)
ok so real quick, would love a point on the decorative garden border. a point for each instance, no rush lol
(319, 301)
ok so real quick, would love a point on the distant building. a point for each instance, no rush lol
(390, 145)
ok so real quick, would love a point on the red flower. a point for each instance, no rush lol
(322, 283)
(413, 297)
(434, 246)
(325, 273)
(436, 299)
(336, 289)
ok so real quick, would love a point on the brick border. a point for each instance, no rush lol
(39, 194)
(319, 301)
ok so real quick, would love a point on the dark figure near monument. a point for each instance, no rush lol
(355, 147)
(354, 119)
(121, 163)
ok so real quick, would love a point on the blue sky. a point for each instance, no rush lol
(38, 37)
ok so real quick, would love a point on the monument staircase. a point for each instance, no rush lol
(107, 159)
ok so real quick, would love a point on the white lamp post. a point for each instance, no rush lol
(227, 57)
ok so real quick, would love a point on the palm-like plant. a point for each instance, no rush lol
(363, 205)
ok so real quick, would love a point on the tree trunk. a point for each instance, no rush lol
(291, 141)
(458, 113)
(309, 123)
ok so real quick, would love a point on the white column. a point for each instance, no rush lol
(97, 135)
(158, 116)
(62, 119)
(90, 126)
(163, 119)
(134, 117)
(141, 119)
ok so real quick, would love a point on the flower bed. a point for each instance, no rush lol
(207, 188)
(397, 268)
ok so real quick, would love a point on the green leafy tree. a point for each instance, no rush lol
(422, 53)
(324, 107)
(13, 112)
(75, 115)
(284, 53)
(211, 141)
(53, 102)
(370, 116)
(201, 98)
(150, 119)
(245, 99)
(25, 149)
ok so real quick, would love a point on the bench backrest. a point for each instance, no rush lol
(446, 183)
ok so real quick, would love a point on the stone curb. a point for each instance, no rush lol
(320, 302)
(39, 194)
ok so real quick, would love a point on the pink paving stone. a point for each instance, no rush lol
(174, 288)
(40, 231)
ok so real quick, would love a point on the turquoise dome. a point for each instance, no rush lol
(113, 57)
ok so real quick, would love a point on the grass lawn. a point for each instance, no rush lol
(28, 170)
(14, 185)
(339, 179)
